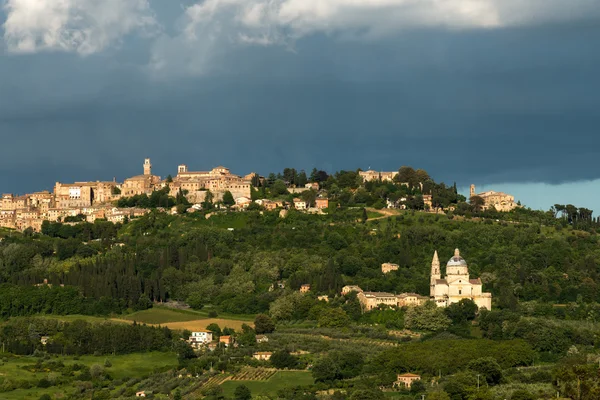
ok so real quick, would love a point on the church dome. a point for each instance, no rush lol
(456, 260)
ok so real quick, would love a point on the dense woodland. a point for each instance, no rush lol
(543, 269)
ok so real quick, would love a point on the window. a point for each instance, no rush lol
(459, 291)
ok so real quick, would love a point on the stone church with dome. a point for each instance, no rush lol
(457, 284)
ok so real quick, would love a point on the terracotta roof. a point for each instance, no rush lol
(475, 281)
(378, 294)
(441, 282)
(409, 375)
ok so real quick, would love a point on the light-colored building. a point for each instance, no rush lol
(200, 338)
(305, 288)
(299, 204)
(141, 184)
(457, 284)
(351, 288)
(371, 300)
(500, 201)
(428, 201)
(411, 299)
(389, 267)
(324, 298)
(227, 340)
(218, 180)
(261, 339)
(262, 355)
(322, 203)
(372, 175)
(406, 380)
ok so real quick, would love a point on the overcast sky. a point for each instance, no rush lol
(501, 93)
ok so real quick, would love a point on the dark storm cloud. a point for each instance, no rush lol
(506, 105)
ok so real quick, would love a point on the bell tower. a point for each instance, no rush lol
(472, 191)
(147, 167)
(435, 273)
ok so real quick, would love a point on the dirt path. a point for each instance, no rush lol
(385, 211)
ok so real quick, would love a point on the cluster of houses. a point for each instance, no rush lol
(95, 199)
(204, 340)
(200, 340)
(371, 300)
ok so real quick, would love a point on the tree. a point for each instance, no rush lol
(477, 203)
(334, 318)
(367, 394)
(282, 359)
(228, 199)
(214, 328)
(256, 180)
(169, 179)
(242, 393)
(263, 324)
(522, 394)
(301, 179)
(309, 196)
(184, 351)
(279, 188)
(195, 300)
(489, 368)
(417, 386)
(207, 204)
(96, 371)
(463, 311)
(427, 317)
(324, 370)
(438, 395)
(177, 395)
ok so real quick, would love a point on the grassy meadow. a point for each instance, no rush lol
(123, 367)
(281, 380)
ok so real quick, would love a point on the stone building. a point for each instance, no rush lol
(141, 184)
(371, 175)
(305, 288)
(371, 300)
(218, 180)
(457, 284)
(351, 288)
(500, 201)
(10, 202)
(406, 380)
(389, 267)
(322, 203)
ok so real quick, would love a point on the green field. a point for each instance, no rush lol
(280, 380)
(69, 318)
(164, 315)
(123, 366)
(160, 315)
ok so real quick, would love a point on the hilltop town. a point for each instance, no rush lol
(99, 200)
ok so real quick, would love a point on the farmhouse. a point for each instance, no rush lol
(406, 380)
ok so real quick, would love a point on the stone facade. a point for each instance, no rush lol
(351, 288)
(500, 201)
(371, 175)
(457, 284)
(406, 380)
(218, 180)
(389, 267)
(371, 300)
(322, 203)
